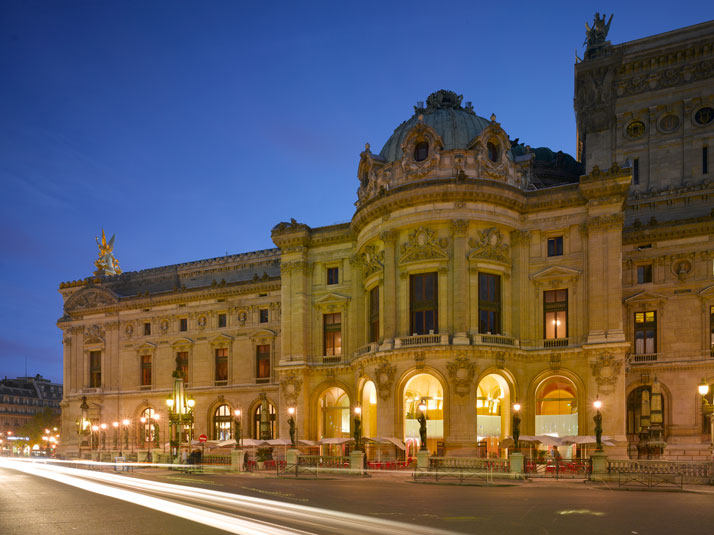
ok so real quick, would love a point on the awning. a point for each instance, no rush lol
(308, 442)
(252, 442)
(280, 442)
(337, 441)
(586, 439)
(394, 440)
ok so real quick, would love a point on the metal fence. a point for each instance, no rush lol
(464, 469)
(559, 469)
(690, 472)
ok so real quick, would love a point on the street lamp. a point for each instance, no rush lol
(180, 412)
(95, 429)
(239, 431)
(597, 404)
(516, 425)
(291, 424)
(708, 408)
(157, 431)
(358, 428)
(422, 424)
(83, 423)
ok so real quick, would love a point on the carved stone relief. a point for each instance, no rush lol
(422, 244)
(461, 373)
(606, 370)
(490, 246)
(384, 375)
(291, 386)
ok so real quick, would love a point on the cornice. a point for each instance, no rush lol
(668, 230)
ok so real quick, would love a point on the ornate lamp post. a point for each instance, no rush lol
(157, 436)
(115, 425)
(145, 436)
(125, 422)
(422, 424)
(516, 425)
(180, 412)
(708, 408)
(95, 429)
(239, 431)
(358, 428)
(597, 405)
(83, 424)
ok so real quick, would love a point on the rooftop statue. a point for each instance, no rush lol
(106, 263)
(596, 36)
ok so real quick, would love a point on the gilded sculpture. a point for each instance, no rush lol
(106, 264)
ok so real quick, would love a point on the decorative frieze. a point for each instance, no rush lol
(422, 244)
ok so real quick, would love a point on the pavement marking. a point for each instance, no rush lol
(276, 493)
(580, 512)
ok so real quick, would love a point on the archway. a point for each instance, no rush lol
(646, 421)
(493, 413)
(425, 389)
(147, 428)
(222, 423)
(269, 424)
(333, 414)
(556, 407)
(369, 410)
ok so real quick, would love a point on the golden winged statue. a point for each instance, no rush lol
(106, 263)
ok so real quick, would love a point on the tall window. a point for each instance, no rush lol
(222, 421)
(264, 425)
(555, 246)
(145, 370)
(636, 171)
(333, 275)
(183, 324)
(221, 320)
(147, 328)
(374, 314)
(332, 328)
(705, 160)
(489, 303)
(645, 333)
(182, 363)
(711, 326)
(423, 303)
(147, 427)
(222, 365)
(644, 274)
(262, 363)
(95, 369)
(263, 315)
(555, 313)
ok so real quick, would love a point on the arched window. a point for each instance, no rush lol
(334, 414)
(493, 407)
(423, 389)
(421, 151)
(369, 410)
(556, 407)
(267, 422)
(493, 152)
(222, 421)
(147, 427)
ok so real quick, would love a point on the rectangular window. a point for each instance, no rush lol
(333, 275)
(555, 246)
(705, 160)
(147, 328)
(263, 315)
(262, 362)
(489, 303)
(374, 314)
(423, 303)
(183, 324)
(644, 274)
(636, 171)
(711, 326)
(555, 313)
(95, 369)
(221, 320)
(146, 370)
(645, 333)
(332, 328)
(182, 364)
(221, 365)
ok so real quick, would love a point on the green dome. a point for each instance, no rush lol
(456, 125)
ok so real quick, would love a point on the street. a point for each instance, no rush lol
(30, 504)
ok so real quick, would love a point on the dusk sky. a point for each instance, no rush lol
(190, 129)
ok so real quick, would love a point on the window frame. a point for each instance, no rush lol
(145, 363)
(220, 361)
(262, 355)
(555, 306)
(421, 305)
(95, 369)
(373, 314)
(490, 307)
(332, 275)
(147, 328)
(332, 334)
(183, 364)
(558, 246)
(646, 273)
(183, 324)
(644, 327)
(263, 315)
(222, 320)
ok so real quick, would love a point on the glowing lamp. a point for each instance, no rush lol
(291, 410)
(125, 422)
(703, 388)
(191, 403)
(237, 413)
(155, 416)
(516, 407)
(597, 404)
(169, 402)
(422, 406)
(95, 428)
(358, 410)
(142, 420)
(115, 424)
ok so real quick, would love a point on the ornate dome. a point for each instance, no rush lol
(457, 125)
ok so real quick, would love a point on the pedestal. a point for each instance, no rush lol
(357, 462)
(291, 456)
(237, 458)
(599, 460)
(423, 460)
(516, 463)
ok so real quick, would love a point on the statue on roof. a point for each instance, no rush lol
(596, 36)
(106, 264)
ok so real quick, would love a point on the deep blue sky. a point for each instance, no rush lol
(190, 128)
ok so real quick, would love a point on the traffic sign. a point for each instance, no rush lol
(202, 438)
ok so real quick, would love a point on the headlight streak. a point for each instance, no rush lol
(229, 523)
(313, 517)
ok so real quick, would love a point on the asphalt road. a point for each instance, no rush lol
(30, 504)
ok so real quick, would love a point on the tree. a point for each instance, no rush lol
(35, 428)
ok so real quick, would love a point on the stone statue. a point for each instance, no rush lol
(357, 433)
(596, 35)
(598, 430)
(106, 264)
(422, 429)
(516, 429)
(291, 424)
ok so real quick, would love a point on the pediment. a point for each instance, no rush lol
(221, 339)
(146, 347)
(332, 298)
(707, 292)
(554, 273)
(182, 342)
(644, 296)
(92, 297)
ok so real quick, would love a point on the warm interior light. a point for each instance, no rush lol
(358, 410)
(169, 402)
(237, 413)
(516, 407)
(703, 388)
(422, 406)
(597, 404)
(155, 416)
(291, 410)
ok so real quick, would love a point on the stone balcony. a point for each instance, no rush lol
(644, 359)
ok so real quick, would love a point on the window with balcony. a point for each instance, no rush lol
(182, 364)
(145, 370)
(221, 366)
(95, 369)
(646, 332)
(489, 303)
(262, 363)
(423, 303)
(555, 314)
(644, 274)
(374, 314)
(555, 246)
(332, 329)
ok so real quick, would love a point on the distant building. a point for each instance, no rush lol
(476, 272)
(22, 398)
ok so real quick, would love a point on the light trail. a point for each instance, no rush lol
(313, 518)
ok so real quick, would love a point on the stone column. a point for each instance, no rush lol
(460, 283)
(390, 287)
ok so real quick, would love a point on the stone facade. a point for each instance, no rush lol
(470, 260)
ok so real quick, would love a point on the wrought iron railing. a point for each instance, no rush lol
(692, 471)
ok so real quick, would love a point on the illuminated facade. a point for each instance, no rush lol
(476, 272)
